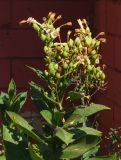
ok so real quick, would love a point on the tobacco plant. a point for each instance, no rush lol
(72, 74)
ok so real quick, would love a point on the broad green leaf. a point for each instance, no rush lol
(72, 120)
(19, 101)
(25, 126)
(14, 144)
(12, 89)
(90, 131)
(65, 136)
(34, 152)
(47, 115)
(90, 110)
(112, 157)
(78, 149)
(75, 95)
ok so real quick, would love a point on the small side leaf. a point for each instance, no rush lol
(47, 115)
(19, 101)
(65, 136)
(12, 89)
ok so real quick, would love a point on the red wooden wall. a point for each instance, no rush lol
(108, 19)
(19, 45)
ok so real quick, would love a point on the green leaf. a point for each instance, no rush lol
(5, 100)
(112, 157)
(65, 136)
(38, 72)
(91, 153)
(90, 110)
(58, 117)
(19, 101)
(47, 115)
(40, 98)
(72, 120)
(34, 152)
(12, 89)
(2, 157)
(78, 149)
(75, 95)
(25, 126)
(14, 144)
(90, 131)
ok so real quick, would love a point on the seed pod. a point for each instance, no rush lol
(58, 75)
(94, 57)
(52, 71)
(56, 66)
(43, 37)
(36, 27)
(98, 74)
(93, 52)
(65, 54)
(46, 72)
(103, 75)
(89, 67)
(76, 51)
(88, 40)
(77, 41)
(97, 44)
(45, 49)
(65, 65)
(70, 43)
(66, 48)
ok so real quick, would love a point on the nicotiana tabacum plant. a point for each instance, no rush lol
(114, 141)
(73, 74)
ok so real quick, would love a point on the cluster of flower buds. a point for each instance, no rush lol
(76, 59)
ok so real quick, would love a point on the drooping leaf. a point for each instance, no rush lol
(12, 89)
(78, 149)
(65, 136)
(47, 115)
(111, 157)
(37, 96)
(34, 152)
(19, 101)
(38, 72)
(14, 144)
(25, 126)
